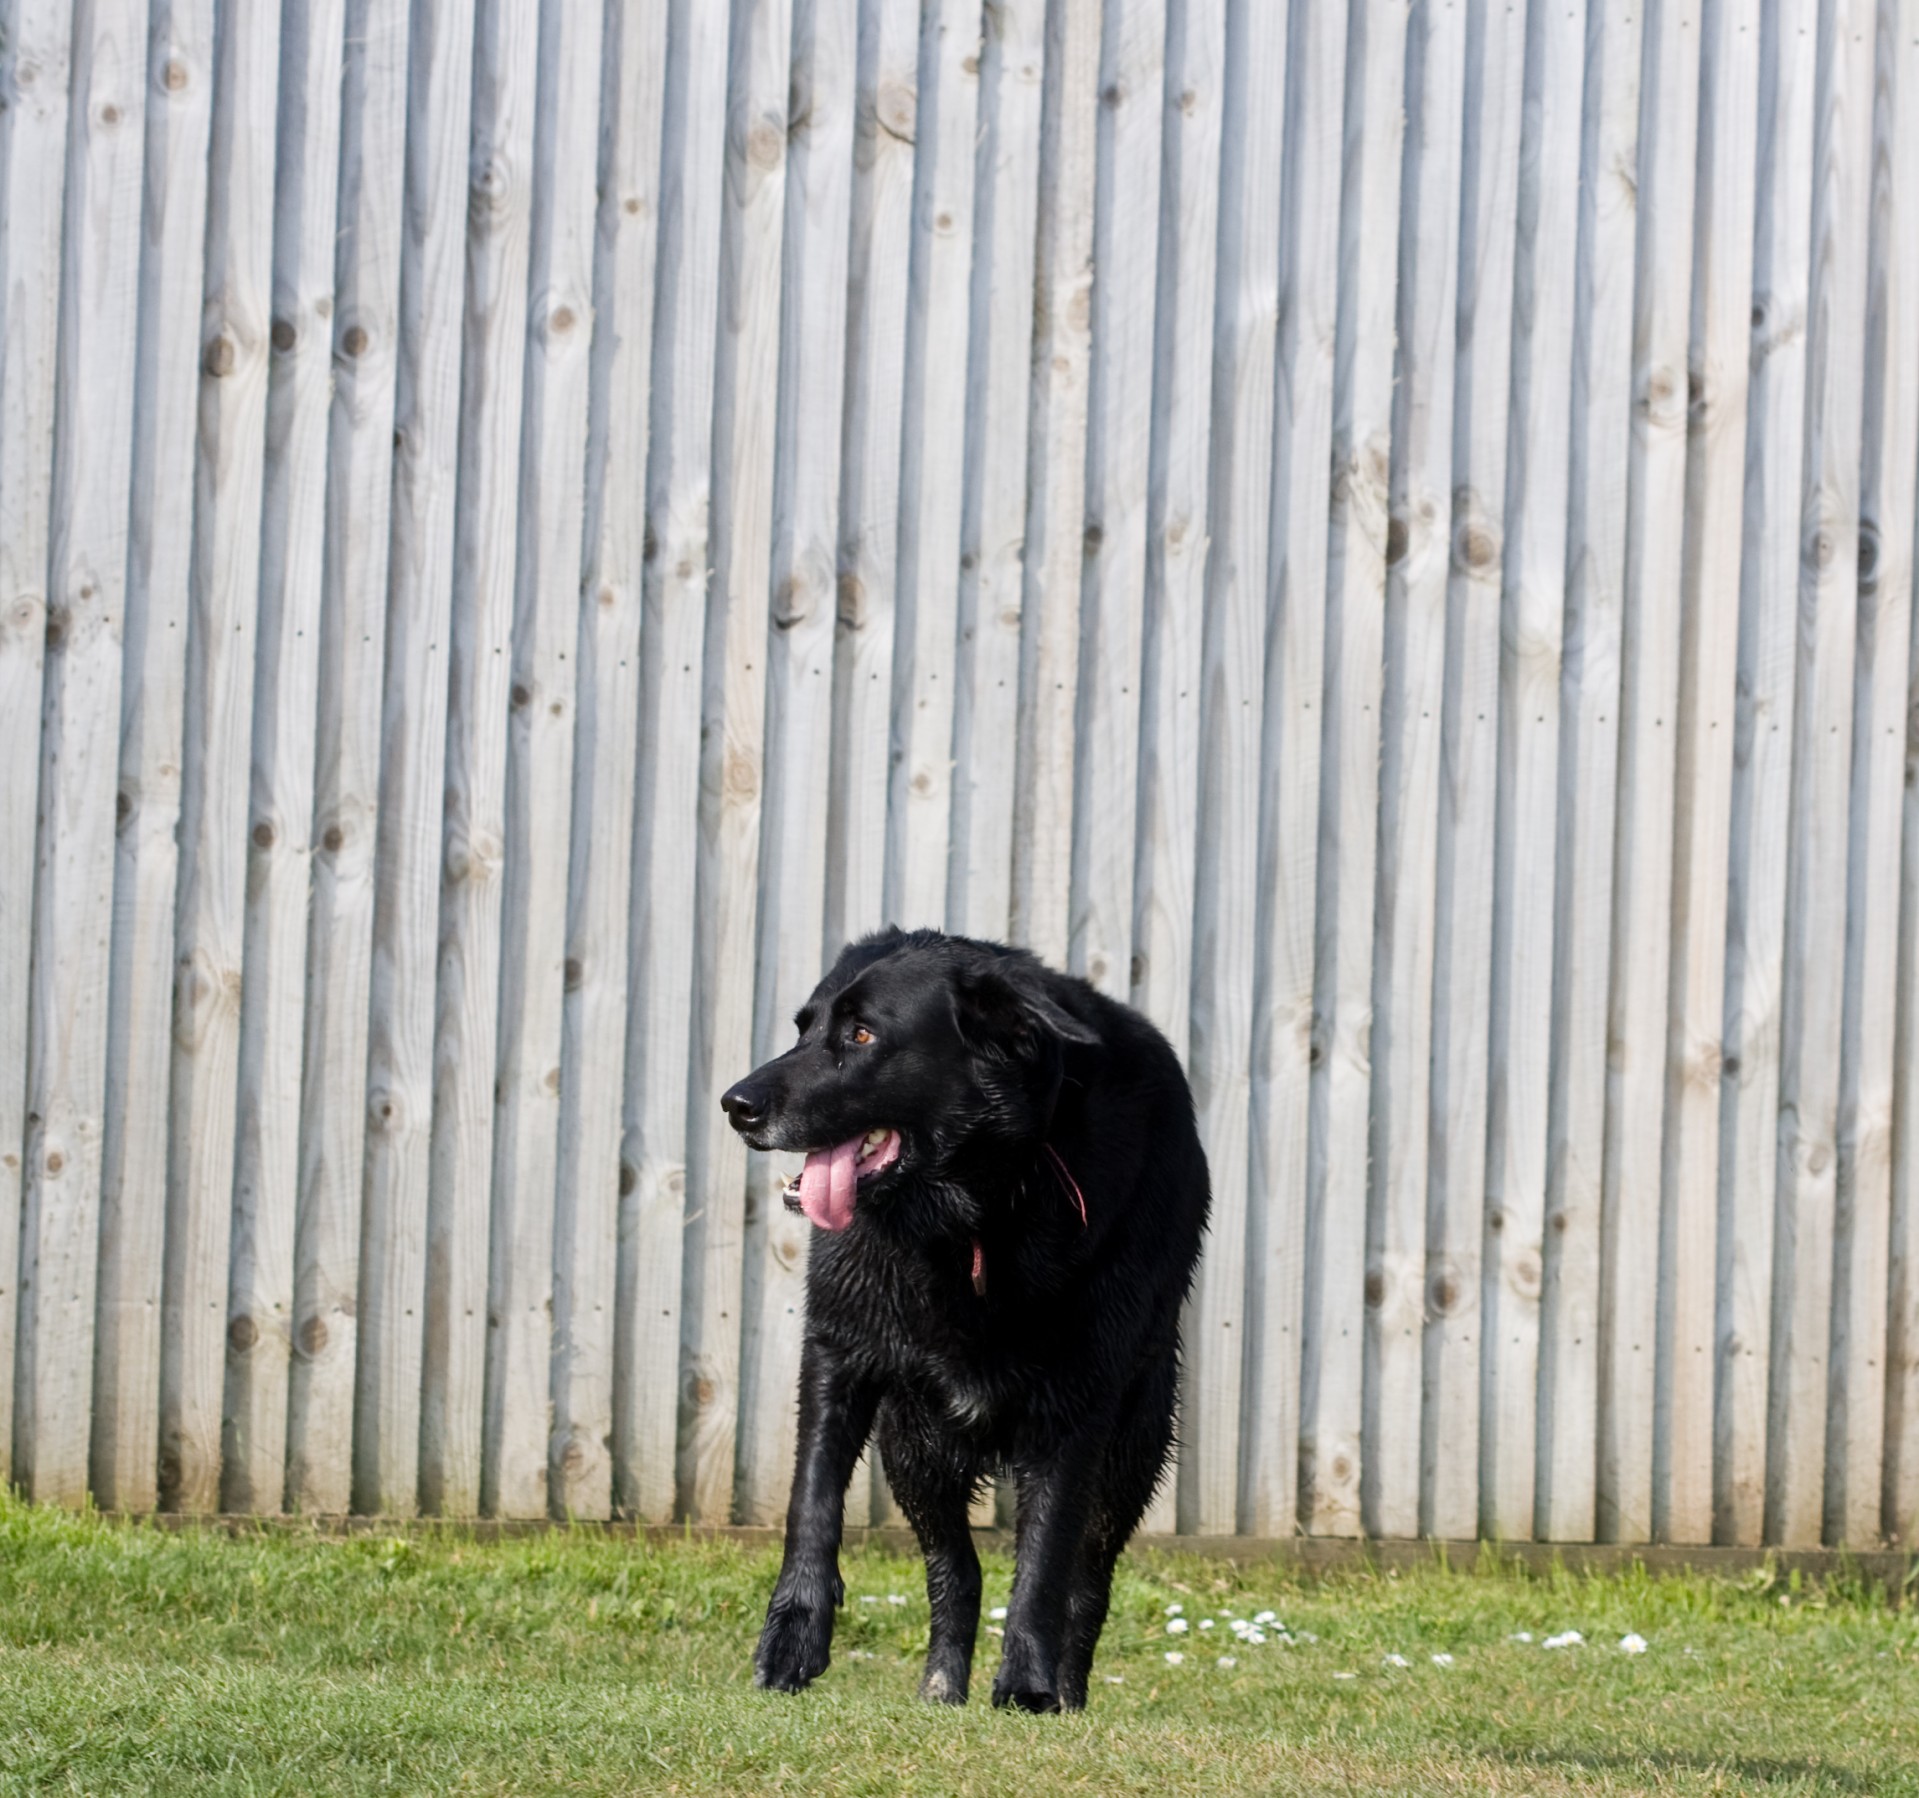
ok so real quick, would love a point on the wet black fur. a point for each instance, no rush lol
(1063, 1373)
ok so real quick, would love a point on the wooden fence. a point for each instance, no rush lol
(1382, 531)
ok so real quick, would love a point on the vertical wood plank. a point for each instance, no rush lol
(401, 1037)
(1450, 1501)
(1284, 1040)
(1588, 761)
(1532, 613)
(879, 258)
(1811, 1001)
(1349, 768)
(133, 1194)
(993, 522)
(1177, 539)
(518, 1441)
(733, 724)
(466, 1033)
(222, 647)
(932, 466)
(1630, 1204)
(596, 1328)
(1056, 480)
(679, 472)
(33, 134)
(1719, 360)
(266, 1173)
(1762, 763)
(608, 1366)
(799, 707)
(1238, 581)
(1896, 296)
(360, 452)
(1119, 425)
(93, 426)
(886, 107)
(1411, 721)
(1889, 477)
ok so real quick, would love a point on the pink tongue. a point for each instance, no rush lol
(827, 1184)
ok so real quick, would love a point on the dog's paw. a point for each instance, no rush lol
(1026, 1681)
(943, 1683)
(794, 1646)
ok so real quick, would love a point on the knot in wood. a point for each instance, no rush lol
(313, 1335)
(220, 355)
(898, 111)
(174, 77)
(765, 144)
(1375, 1288)
(571, 973)
(628, 1178)
(742, 775)
(284, 334)
(574, 1458)
(263, 835)
(354, 340)
(333, 838)
(1526, 1275)
(242, 1334)
(1444, 1292)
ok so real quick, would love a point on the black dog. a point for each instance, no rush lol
(1011, 1191)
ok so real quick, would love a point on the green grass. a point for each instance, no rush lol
(133, 1659)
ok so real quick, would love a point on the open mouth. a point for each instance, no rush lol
(825, 1187)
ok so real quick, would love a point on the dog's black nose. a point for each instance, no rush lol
(745, 1106)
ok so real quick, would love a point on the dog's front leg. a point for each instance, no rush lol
(1055, 1501)
(836, 1415)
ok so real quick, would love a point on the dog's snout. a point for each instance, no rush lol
(745, 1104)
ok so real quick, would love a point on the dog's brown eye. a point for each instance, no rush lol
(861, 1035)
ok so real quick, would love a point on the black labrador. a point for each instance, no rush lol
(1010, 1191)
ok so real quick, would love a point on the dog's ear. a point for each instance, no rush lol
(999, 1011)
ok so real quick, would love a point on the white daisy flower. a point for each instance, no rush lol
(1226, 1660)
(1565, 1639)
(997, 1613)
(1632, 1643)
(1442, 1660)
(1173, 1610)
(1174, 1657)
(1395, 1660)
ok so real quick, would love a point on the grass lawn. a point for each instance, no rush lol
(132, 1659)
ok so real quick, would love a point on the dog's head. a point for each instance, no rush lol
(920, 1055)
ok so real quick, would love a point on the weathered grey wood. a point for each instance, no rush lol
(73, 886)
(593, 1330)
(993, 523)
(466, 1031)
(1450, 1499)
(607, 1342)
(517, 1444)
(732, 732)
(1056, 480)
(222, 650)
(400, 1044)
(1118, 441)
(1173, 627)
(799, 710)
(886, 102)
(1719, 363)
(678, 489)
(1411, 723)
(35, 38)
(1349, 769)
(1895, 298)
(1860, 1450)
(1232, 658)
(126, 1351)
(1811, 1001)
(360, 462)
(1285, 1041)
(1643, 834)
(932, 465)
(266, 1175)
(1532, 618)
(1762, 752)
(1588, 759)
